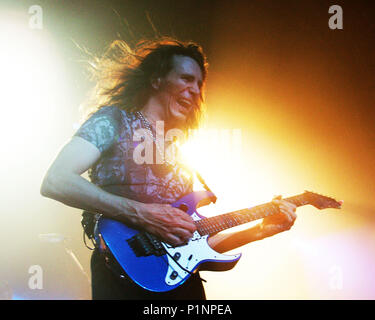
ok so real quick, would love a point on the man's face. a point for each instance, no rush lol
(181, 90)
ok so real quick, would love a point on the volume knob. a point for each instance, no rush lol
(173, 275)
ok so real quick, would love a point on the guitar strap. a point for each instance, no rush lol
(201, 180)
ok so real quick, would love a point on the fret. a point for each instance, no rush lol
(213, 227)
(243, 219)
(224, 225)
(228, 221)
(258, 213)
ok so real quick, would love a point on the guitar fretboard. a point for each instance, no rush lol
(212, 225)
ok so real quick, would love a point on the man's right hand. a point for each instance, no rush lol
(169, 224)
(63, 182)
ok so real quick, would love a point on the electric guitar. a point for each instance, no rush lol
(158, 266)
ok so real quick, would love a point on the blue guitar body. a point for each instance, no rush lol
(155, 265)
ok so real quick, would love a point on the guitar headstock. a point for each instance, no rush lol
(322, 202)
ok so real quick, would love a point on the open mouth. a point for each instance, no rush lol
(185, 103)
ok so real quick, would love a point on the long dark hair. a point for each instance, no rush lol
(123, 75)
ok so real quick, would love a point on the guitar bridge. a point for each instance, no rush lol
(144, 244)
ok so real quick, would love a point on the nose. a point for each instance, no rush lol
(194, 89)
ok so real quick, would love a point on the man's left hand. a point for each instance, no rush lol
(281, 221)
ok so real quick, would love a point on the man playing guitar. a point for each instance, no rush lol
(160, 80)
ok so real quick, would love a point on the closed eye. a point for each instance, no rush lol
(190, 78)
(187, 77)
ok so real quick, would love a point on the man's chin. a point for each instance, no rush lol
(178, 119)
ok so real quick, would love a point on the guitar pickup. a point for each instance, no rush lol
(145, 244)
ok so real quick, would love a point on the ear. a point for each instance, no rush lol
(155, 83)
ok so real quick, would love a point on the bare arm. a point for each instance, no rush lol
(270, 226)
(63, 182)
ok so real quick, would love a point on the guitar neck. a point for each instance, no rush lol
(212, 225)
